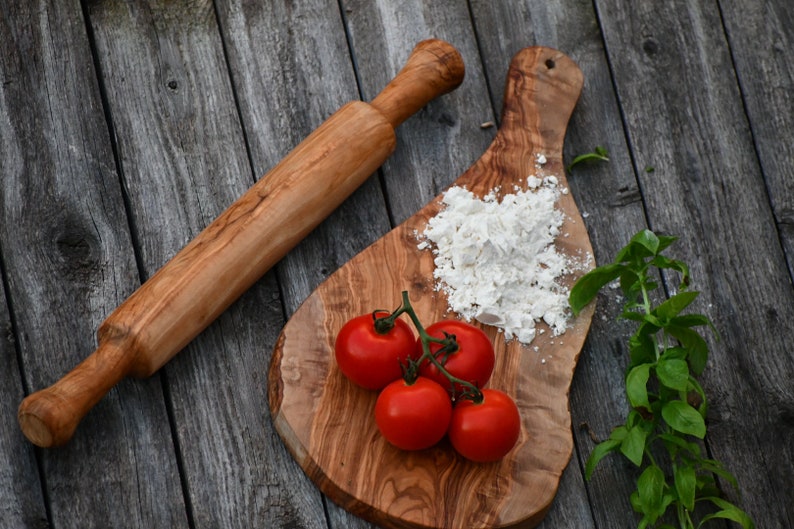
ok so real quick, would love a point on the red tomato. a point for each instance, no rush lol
(485, 431)
(472, 362)
(413, 416)
(370, 359)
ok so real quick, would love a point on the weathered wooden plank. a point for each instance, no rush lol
(292, 69)
(21, 501)
(761, 35)
(685, 117)
(609, 198)
(184, 160)
(444, 139)
(68, 258)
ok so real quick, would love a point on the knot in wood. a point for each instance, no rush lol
(650, 46)
(76, 246)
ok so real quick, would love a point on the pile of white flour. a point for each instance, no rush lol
(496, 260)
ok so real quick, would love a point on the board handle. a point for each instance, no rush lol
(434, 68)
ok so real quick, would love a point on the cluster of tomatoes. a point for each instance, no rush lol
(430, 385)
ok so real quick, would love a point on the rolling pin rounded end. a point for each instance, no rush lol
(45, 421)
(50, 416)
(450, 60)
(434, 68)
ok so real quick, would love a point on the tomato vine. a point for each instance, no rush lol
(439, 392)
(448, 346)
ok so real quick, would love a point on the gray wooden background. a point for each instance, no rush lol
(127, 126)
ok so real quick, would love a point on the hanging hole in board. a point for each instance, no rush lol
(550, 64)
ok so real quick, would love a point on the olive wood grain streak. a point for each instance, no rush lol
(327, 422)
(236, 249)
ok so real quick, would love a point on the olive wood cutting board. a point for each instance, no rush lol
(328, 424)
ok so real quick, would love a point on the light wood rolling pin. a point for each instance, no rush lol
(236, 249)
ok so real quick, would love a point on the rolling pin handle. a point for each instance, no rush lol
(50, 416)
(434, 68)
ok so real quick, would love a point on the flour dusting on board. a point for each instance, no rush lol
(496, 259)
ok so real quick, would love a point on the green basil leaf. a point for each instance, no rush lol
(675, 353)
(665, 241)
(651, 285)
(673, 442)
(650, 486)
(707, 486)
(634, 418)
(728, 511)
(662, 262)
(692, 320)
(696, 393)
(648, 240)
(586, 288)
(684, 418)
(648, 326)
(715, 467)
(673, 306)
(685, 484)
(652, 322)
(634, 253)
(642, 349)
(600, 154)
(619, 433)
(694, 343)
(673, 373)
(637, 386)
(632, 315)
(633, 446)
(629, 284)
(599, 452)
(634, 498)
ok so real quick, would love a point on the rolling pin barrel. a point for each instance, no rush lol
(214, 269)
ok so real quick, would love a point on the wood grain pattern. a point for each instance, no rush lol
(183, 155)
(200, 282)
(698, 139)
(326, 421)
(445, 139)
(767, 85)
(21, 501)
(67, 261)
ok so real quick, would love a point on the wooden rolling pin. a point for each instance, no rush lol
(237, 248)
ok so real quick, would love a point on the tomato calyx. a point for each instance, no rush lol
(449, 345)
(384, 324)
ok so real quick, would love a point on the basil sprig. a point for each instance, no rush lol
(667, 418)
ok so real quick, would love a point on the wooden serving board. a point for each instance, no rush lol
(327, 423)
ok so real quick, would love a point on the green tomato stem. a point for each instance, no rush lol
(449, 346)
